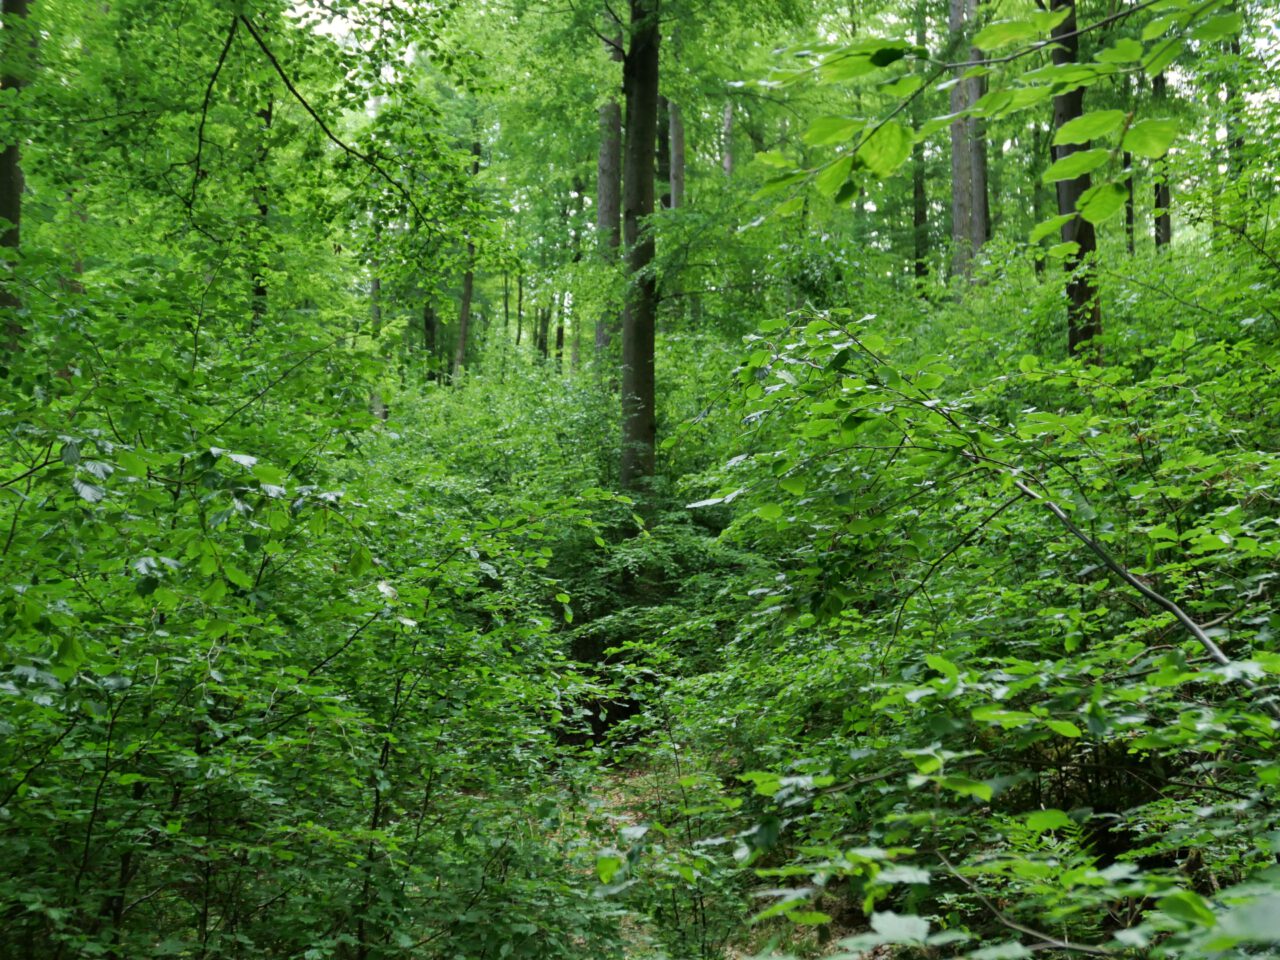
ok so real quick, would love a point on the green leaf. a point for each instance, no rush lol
(834, 175)
(809, 917)
(1004, 32)
(769, 511)
(1218, 27)
(1076, 164)
(900, 928)
(1043, 820)
(825, 131)
(1188, 907)
(89, 492)
(1102, 201)
(1097, 123)
(1150, 138)
(1125, 50)
(967, 786)
(1064, 728)
(237, 576)
(793, 485)
(886, 149)
(1052, 225)
(607, 866)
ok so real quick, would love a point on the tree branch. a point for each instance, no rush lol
(347, 149)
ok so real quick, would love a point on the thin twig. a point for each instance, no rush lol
(204, 110)
(1214, 651)
(1046, 939)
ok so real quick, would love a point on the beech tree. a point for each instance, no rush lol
(640, 90)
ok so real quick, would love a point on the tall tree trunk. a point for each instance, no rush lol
(663, 157)
(1163, 226)
(919, 195)
(970, 216)
(430, 338)
(519, 306)
(608, 205)
(726, 139)
(677, 155)
(11, 179)
(262, 200)
(560, 307)
(640, 88)
(544, 328)
(1130, 213)
(506, 303)
(1084, 314)
(468, 284)
(377, 406)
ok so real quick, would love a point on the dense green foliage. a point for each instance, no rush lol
(327, 629)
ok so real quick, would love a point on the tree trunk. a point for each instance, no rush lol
(1163, 198)
(11, 180)
(430, 338)
(506, 303)
(261, 198)
(663, 156)
(519, 305)
(468, 285)
(608, 205)
(640, 87)
(970, 217)
(544, 328)
(560, 305)
(677, 155)
(1084, 314)
(919, 195)
(1130, 214)
(726, 134)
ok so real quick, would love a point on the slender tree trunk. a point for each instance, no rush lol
(544, 328)
(560, 306)
(608, 206)
(640, 87)
(919, 195)
(262, 201)
(11, 179)
(677, 155)
(506, 303)
(970, 215)
(468, 285)
(1163, 225)
(663, 157)
(726, 138)
(1130, 213)
(519, 306)
(430, 337)
(377, 406)
(1084, 313)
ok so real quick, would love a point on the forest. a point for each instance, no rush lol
(639, 479)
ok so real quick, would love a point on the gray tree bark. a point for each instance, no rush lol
(1084, 313)
(677, 155)
(726, 135)
(1163, 224)
(970, 216)
(640, 88)
(12, 182)
(468, 285)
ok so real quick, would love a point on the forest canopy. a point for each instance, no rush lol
(659, 479)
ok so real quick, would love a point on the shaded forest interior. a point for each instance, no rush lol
(658, 479)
